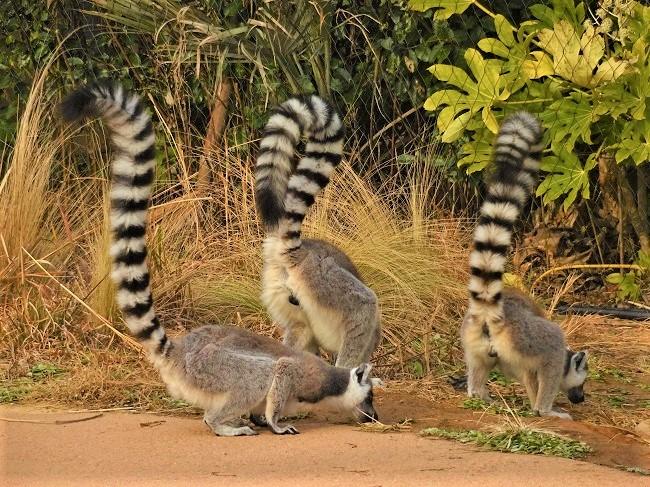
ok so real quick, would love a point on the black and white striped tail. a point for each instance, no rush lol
(132, 170)
(517, 153)
(283, 196)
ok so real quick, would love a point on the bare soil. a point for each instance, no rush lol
(117, 448)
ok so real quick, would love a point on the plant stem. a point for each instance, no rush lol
(486, 10)
(527, 102)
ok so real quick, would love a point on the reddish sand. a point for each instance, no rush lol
(147, 450)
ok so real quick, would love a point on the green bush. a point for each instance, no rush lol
(587, 78)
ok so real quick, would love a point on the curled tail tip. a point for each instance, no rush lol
(78, 104)
(270, 207)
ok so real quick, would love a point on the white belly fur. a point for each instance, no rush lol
(179, 388)
(276, 286)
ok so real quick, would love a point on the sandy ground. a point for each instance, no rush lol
(150, 450)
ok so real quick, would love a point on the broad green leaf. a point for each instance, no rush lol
(568, 119)
(478, 93)
(442, 97)
(456, 128)
(477, 155)
(494, 46)
(478, 152)
(567, 177)
(615, 100)
(490, 120)
(628, 288)
(579, 58)
(452, 75)
(445, 8)
(615, 278)
(643, 260)
(538, 65)
(634, 142)
(446, 116)
(504, 30)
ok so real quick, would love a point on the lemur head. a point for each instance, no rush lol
(575, 375)
(359, 396)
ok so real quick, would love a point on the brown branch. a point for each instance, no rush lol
(214, 135)
(642, 203)
(634, 214)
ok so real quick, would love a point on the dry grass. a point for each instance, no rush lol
(205, 256)
(57, 304)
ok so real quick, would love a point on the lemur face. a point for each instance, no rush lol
(575, 375)
(362, 387)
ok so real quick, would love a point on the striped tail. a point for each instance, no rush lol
(283, 198)
(132, 170)
(517, 153)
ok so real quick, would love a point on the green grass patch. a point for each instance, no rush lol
(14, 391)
(496, 377)
(44, 370)
(517, 440)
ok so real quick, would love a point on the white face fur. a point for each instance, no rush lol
(575, 377)
(359, 395)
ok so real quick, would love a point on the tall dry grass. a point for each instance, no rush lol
(57, 303)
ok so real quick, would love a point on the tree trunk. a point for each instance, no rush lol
(637, 216)
(214, 134)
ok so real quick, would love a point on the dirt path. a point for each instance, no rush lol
(148, 450)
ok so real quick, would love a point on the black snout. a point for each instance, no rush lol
(368, 416)
(576, 395)
(367, 411)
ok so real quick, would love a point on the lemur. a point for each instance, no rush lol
(309, 287)
(503, 327)
(225, 370)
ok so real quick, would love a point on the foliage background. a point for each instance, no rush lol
(210, 70)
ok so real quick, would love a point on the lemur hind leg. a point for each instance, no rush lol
(531, 384)
(300, 337)
(217, 419)
(478, 370)
(281, 388)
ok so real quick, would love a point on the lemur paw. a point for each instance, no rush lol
(555, 414)
(285, 430)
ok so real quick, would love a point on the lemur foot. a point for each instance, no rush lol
(555, 414)
(285, 430)
(225, 430)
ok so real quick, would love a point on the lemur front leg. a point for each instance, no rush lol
(284, 381)
(548, 387)
(361, 336)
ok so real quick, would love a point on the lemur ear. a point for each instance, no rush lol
(580, 360)
(362, 372)
(377, 382)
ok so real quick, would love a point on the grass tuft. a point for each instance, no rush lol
(379, 427)
(517, 440)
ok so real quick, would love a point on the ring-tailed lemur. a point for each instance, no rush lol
(501, 326)
(225, 370)
(309, 287)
